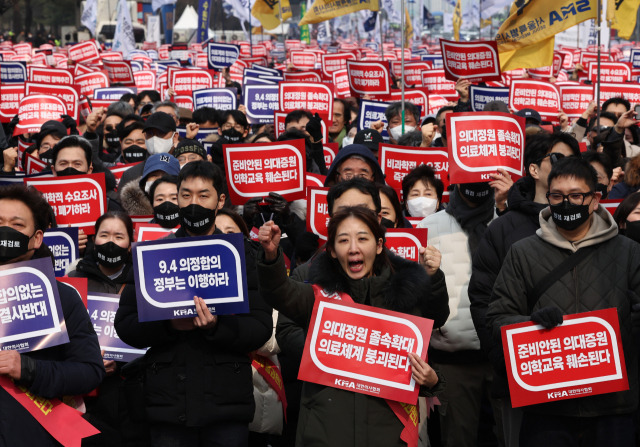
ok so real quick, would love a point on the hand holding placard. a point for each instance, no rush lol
(10, 364)
(422, 373)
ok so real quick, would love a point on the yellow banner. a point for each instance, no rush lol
(457, 20)
(531, 26)
(408, 28)
(622, 16)
(322, 10)
(268, 12)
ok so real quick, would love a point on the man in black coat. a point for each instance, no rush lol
(198, 387)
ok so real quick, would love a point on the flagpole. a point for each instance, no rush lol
(280, 16)
(250, 30)
(402, 25)
(381, 37)
(598, 29)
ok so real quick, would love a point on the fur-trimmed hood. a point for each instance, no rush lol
(134, 200)
(399, 288)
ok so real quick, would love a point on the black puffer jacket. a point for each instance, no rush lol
(196, 378)
(608, 277)
(98, 282)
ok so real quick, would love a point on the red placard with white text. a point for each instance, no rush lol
(119, 170)
(610, 72)
(413, 73)
(369, 78)
(314, 181)
(302, 76)
(333, 62)
(303, 60)
(418, 96)
(436, 102)
(438, 84)
(315, 97)
(35, 110)
(363, 349)
(574, 99)
(480, 143)
(255, 170)
(629, 91)
(151, 232)
(67, 93)
(86, 52)
(581, 357)
(406, 242)
(317, 212)
(46, 75)
(145, 80)
(474, 61)
(10, 97)
(90, 81)
(185, 82)
(76, 200)
(341, 83)
(398, 161)
(541, 96)
(119, 72)
(610, 205)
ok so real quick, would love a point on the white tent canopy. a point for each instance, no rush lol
(188, 22)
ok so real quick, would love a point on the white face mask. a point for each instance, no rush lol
(147, 187)
(396, 132)
(346, 141)
(422, 206)
(158, 145)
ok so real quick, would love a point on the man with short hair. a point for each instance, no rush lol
(608, 276)
(72, 156)
(168, 107)
(354, 160)
(189, 150)
(297, 119)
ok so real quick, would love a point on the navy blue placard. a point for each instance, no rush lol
(261, 101)
(435, 59)
(257, 81)
(63, 243)
(222, 55)
(170, 272)
(634, 58)
(372, 45)
(30, 312)
(137, 66)
(218, 98)
(370, 112)
(102, 309)
(113, 93)
(20, 176)
(479, 96)
(267, 70)
(13, 72)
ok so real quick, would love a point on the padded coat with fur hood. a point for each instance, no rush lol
(335, 417)
(134, 201)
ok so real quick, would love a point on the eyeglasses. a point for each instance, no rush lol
(554, 157)
(575, 198)
(238, 127)
(348, 175)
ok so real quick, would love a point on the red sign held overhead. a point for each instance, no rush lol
(119, 170)
(90, 81)
(437, 84)
(406, 242)
(418, 96)
(581, 357)
(120, 72)
(315, 97)
(538, 95)
(34, 165)
(185, 82)
(610, 72)
(68, 94)
(628, 91)
(397, 161)
(574, 99)
(480, 143)
(317, 211)
(151, 232)
(303, 60)
(369, 78)
(86, 51)
(302, 76)
(145, 80)
(255, 170)
(10, 97)
(45, 75)
(334, 62)
(436, 102)
(35, 110)
(330, 150)
(341, 83)
(413, 73)
(474, 61)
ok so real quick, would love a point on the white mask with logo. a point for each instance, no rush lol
(422, 206)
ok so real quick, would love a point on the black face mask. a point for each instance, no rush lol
(69, 171)
(134, 154)
(387, 223)
(197, 219)
(475, 192)
(47, 156)
(13, 244)
(111, 254)
(167, 214)
(632, 230)
(231, 136)
(113, 142)
(569, 216)
(603, 189)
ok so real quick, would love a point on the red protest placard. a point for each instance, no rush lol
(185, 82)
(35, 110)
(341, 83)
(145, 80)
(438, 84)
(330, 63)
(329, 150)
(436, 102)
(417, 95)
(574, 99)
(86, 51)
(90, 81)
(406, 242)
(255, 170)
(151, 232)
(610, 72)
(119, 72)
(397, 161)
(76, 200)
(586, 57)
(303, 60)
(541, 73)
(373, 358)
(46, 75)
(610, 205)
(80, 284)
(10, 97)
(369, 78)
(582, 357)
(480, 143)
(413, 73)
(34, 165)
(119, 170)
(475, 61)
(628, 91)
(68, 94)
(302, 76)
(314, 181)
(315, 97)
(317, 211)
(538, 95)
(186, 102)
(112, 56)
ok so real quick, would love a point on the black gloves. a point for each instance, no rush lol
(547, 317)
(278, 204)
(251, 210)
(314, 129)
(69, 123)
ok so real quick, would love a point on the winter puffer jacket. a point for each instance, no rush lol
(608, 277)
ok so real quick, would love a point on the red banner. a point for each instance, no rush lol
(436, 102)
(574, 99)
(67, 93)
(417, 95)
(315, 97)
(369, 78)
(45, 75)
(437, 84)
(406, 242)
(185, 82)
(34, 165)
(303, 60)
(398, 161)
(329, 150)
(86, 51)
(341, 83)
(76, 200)
(581, 357)
(255, 170)
(35, 110)
(538, 95)
(90, 81)
(334, 62)
(10, 97)
(314, 181)
(317, 211)
(610, 72)
(474, 61)
(119, 170)
(145, 80)
(609, 205)
(629, 91)
(413, 73)
(480, 143)
(119, 72)
(112, 56)
(363, 349)
(151, 232)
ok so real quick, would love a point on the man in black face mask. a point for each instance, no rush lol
(233, 129)
(74, 368)
(72, 156)
(607, 275)
(210, 352)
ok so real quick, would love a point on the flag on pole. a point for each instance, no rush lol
(123, 39)
(526, 38)
(370, 23)
(622, 16)
(90, 15)
(203, 20)
(457, 20)
(322, 10)
(156, 4)
(428, 21)
(408, 28)
(268, 12)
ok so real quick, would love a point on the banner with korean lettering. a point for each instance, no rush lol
(363, 349)
(406, 242)
(67, 93)
(369, 78)
(317, 212)
(102, 309)
(46, 75)
(330, 63)
(185, 82)
(30, 312)
(255, 170)
(119, 72)
(341, 83)
(609, 72)
(370, 112)
(313, 96)
(217, 98)
(261, 101)
(480, 143)
(10, 97)
(35, 110)
(170, 272)
(90, 81)
(76, 200)
(85, 52)
(13, 72)
(481, 96)
(63, 244)
(222, 55)
(628, 91)
(303, 60)
(438, 84)
(474, 61)
(581, 357)
(538, 95)
(302, 76)
(397, 161)
(113, 93)
(574, 99)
